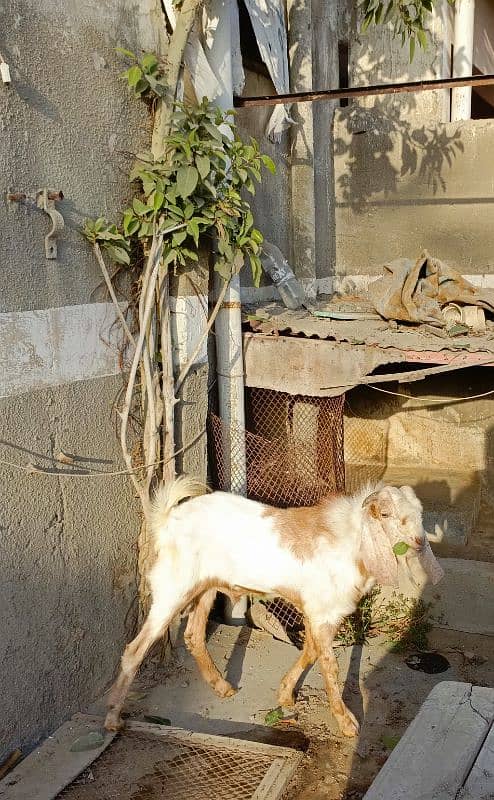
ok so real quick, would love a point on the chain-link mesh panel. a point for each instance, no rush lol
(150, 767)
(292, 451)
(291, 455)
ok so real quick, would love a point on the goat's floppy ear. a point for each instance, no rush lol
(411, 496)
(377, 553)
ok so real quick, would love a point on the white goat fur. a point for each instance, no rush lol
(222, 541)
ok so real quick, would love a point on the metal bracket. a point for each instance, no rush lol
(46, 201)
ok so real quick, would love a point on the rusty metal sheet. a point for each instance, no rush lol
(302, 366)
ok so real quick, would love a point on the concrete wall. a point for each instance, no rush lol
(402, 187)
(67, 546)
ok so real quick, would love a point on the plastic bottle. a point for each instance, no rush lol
(277, 267)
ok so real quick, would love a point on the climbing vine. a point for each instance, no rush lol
(190, 193)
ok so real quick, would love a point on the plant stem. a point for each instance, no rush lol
(109, 286)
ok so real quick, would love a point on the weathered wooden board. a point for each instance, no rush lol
(303, 366)
(436, 754)
(480, 783)
(52, 766)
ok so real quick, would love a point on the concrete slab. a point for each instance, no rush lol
(462, 601)
(378, 686)
(445, 739)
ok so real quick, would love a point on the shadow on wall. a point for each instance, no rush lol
(381, 142)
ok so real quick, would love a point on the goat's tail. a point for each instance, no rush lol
(168, 495)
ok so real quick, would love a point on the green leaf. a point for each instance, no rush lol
(141, 86)
(118, 254)
(400, 548)
(422, 37)
(187, 178)
(269, 163)
(412, 48)
(273, 716)
(213, 131)
(149, 61)
(158, 200)
(157, 720)
(124, 52)
(90, 741)
(179, 237)
(193, 230)
(134, 75)
(190, 254)
(203, 165)
(256, 267)
(140, 207)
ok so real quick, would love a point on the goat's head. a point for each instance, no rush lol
(393, 515)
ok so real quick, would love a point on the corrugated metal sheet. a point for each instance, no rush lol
(272, 318)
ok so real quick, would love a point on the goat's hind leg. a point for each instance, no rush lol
(195, 639)
(155, 625)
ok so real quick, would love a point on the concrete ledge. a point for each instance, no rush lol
(462, 601)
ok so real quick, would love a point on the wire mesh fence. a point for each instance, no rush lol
(145, 766)
(291, 454)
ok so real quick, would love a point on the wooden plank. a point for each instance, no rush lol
(275, 780)
(211, 740)
(480, 783)
(436, 753)
(52, 766)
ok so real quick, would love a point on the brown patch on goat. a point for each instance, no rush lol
(300, 528)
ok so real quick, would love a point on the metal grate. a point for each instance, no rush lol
(293, 454)
(180, 766)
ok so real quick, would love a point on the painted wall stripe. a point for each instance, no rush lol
(53, 346)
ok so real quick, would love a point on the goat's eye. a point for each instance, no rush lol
(404, 520)
(385, 515)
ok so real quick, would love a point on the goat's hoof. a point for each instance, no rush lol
(114, 722)
(286, 699)
(349, 725)
(224, 689)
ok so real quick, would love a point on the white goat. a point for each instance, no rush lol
(322, 559)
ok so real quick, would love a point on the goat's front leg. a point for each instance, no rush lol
(306, 658)
(329, 668)
(195, 639)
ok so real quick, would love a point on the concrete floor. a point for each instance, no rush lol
(379, 687)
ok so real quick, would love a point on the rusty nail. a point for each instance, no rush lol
(16, 197)
(55, 195)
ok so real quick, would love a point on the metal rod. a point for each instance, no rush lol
(364, 91)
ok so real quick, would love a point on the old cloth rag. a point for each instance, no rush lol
(417, 291)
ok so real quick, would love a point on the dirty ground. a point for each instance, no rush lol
(377, 684)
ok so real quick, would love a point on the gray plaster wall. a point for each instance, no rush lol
(67, 559)
(403, 186)
(67, 546)
(66, 122)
